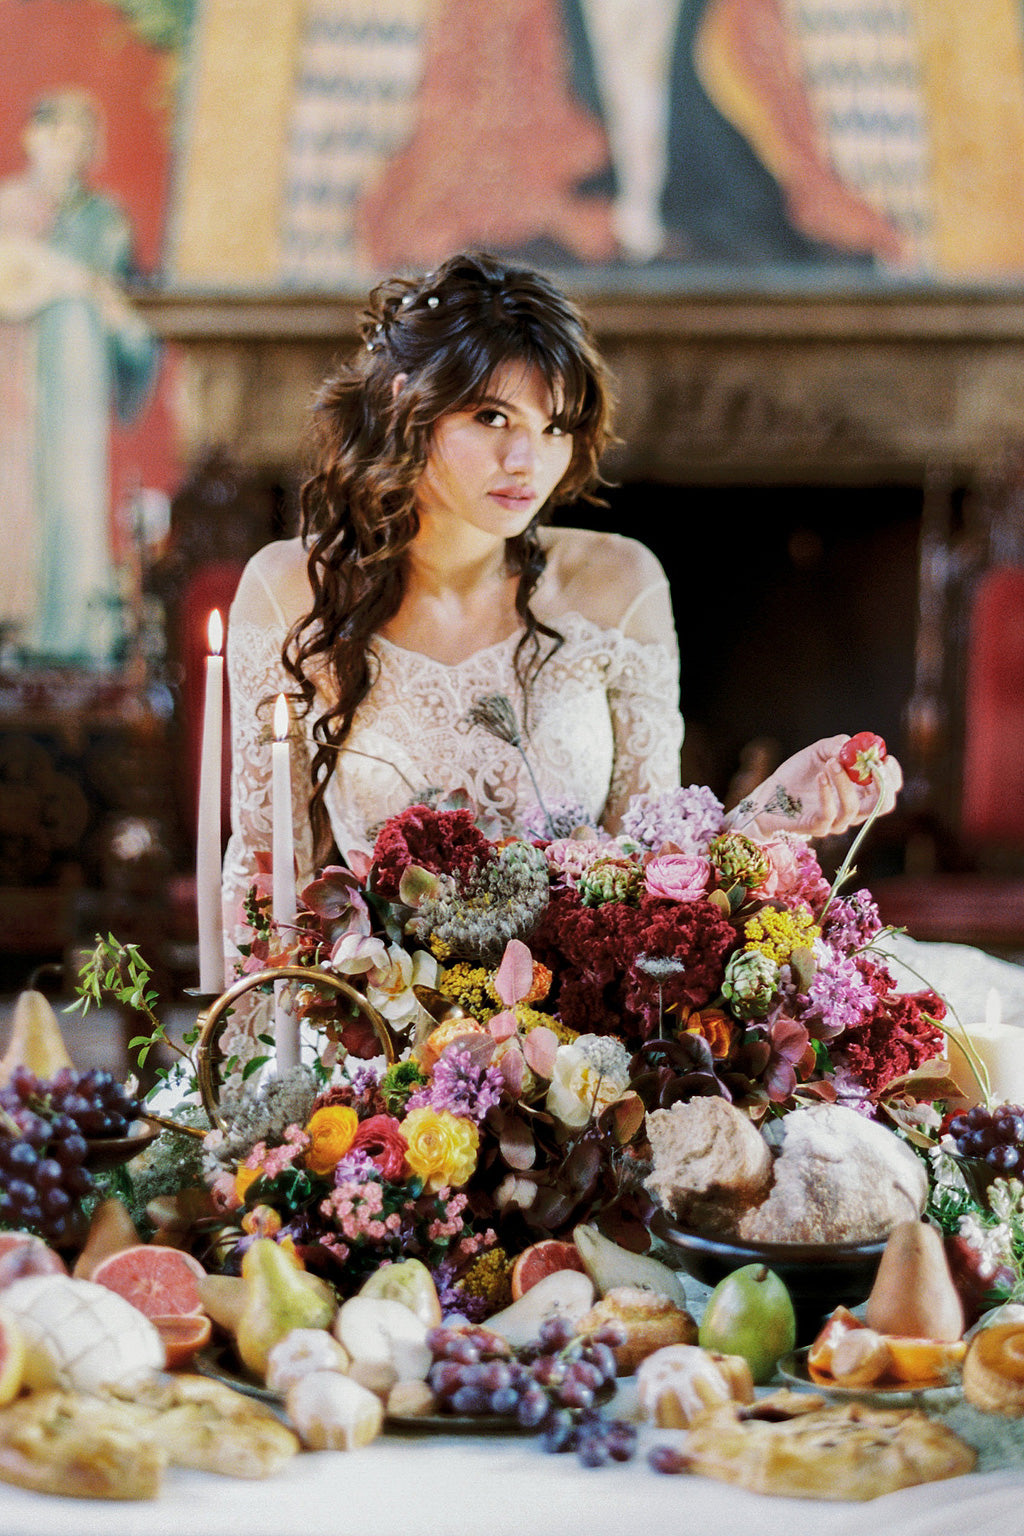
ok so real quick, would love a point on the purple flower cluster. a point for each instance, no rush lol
(687, 817)
(852, 921)
(839, 997)
(565, 816)
(461, 1086)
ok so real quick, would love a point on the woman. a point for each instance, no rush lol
(427, 578)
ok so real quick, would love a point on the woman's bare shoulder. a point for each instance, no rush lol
(601, 575)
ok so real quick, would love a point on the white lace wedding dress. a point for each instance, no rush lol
(603, 724)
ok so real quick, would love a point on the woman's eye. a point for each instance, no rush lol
(557, 431)
(491, 417)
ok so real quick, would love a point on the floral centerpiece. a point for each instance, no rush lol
(544, 991)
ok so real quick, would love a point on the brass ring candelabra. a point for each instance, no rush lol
(212, 1022)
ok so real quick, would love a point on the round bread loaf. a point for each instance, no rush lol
(710, 1163)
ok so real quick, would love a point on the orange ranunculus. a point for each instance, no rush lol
(716, 1028)
(442, 1147)
(331, 1132)
(430, 1051)
(243, 1178)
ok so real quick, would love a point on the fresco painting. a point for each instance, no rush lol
(268, 146)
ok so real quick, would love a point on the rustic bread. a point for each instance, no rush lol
(710, 1163)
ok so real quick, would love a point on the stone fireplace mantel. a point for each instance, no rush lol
(738, 387)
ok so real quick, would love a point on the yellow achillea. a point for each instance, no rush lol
(489, 1276)
(528, 1018)
(776, 934)
(470, 987)
(331, 1131)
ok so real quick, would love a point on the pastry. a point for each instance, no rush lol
(994, 1370)
(334, 1413)
(676, 1384)
(70, 1444)
(710, 1163)
(649, 1322)
(839, 1178)
(206, 1425)
(849, 1452)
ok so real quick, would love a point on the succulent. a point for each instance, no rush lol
(751, 983)
(610, 880)
(739, 860)
(474, 918)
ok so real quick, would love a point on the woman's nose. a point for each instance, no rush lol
(520, 451)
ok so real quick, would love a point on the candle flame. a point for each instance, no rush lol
(281, 718)
(215, 632)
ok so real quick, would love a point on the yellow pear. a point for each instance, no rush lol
(36, 1040)
(280, 1296)
(914, 1295)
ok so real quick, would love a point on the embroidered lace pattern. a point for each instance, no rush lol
(602, 724)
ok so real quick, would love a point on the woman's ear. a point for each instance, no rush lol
(397, 383)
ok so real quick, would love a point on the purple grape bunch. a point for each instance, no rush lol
(994, 1136)
(45, 1129)
(551, 1386)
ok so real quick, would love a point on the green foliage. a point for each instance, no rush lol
(119, 972)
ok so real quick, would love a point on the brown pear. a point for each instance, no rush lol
(111, 1230)
(36, 1041)
(914, 1295)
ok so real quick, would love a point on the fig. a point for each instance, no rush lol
(750, 1313)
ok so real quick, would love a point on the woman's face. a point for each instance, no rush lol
(493, 465)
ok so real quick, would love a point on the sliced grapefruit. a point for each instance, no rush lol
(12, 1358)
(23, 1254)
(541, 1259)
(161, 1282)
(182, 1335)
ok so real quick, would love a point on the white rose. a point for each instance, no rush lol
(580, 1088)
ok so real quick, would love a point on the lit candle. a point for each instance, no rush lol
(1000, 1047)
(208, 831)
(286, 1033)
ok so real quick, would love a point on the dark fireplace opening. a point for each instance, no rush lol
(795, 606)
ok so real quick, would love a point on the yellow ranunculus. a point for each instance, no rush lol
(331, 1132)
(442, 1147)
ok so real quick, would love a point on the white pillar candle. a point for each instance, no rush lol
(1000, 1047)
(209, 913)
(286, 1032)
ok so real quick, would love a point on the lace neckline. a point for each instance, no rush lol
(495, 648)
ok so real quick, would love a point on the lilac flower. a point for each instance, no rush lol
(461, 1086)
(852, 1093)
(563, 815)
(689, 818)
(365, 1079)
(852, 921)
(839, 997)
(356, 1167)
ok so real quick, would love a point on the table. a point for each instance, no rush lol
(497, 1485)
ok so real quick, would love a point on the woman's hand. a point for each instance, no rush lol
(812, 793)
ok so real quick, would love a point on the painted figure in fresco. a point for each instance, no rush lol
(71, 351)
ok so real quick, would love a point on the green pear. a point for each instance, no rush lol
(750, 1313)
(280, 1296)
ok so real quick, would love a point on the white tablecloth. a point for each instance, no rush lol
(479, 1485)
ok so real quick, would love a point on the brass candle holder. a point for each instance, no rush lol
(213, 1020)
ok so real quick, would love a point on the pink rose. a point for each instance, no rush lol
(784, 871)
(678, 876)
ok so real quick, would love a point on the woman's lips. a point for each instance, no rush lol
(513, 496)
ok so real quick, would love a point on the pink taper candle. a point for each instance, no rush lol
(208, 829)
(286, 1030)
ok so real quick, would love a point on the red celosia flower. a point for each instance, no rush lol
(443, 842)
(593, 951)
(896, 1039)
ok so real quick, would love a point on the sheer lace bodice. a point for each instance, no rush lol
(603, 723)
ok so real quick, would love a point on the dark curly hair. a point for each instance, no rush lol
(445, 335)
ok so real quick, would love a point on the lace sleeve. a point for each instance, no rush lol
(643, 697)
(256, 675)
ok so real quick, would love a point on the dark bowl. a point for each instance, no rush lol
(818, 1276)
(110, 1151)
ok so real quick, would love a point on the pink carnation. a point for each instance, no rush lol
(677, 876)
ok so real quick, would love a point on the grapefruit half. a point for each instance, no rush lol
(541, 1259)
(161, 1282)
